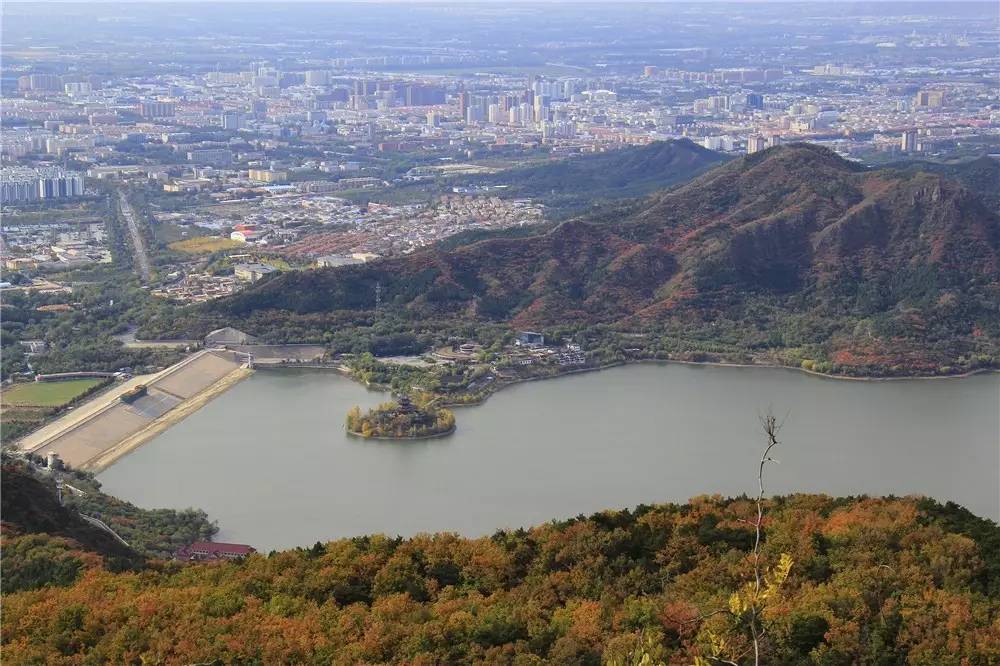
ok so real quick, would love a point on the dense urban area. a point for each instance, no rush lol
(298, 156)
(439, 201)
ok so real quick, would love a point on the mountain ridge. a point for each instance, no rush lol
(794, 230)
(574, 183)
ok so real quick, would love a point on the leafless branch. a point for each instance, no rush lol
(770, 424)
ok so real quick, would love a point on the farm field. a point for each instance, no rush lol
(47, 394)
(205, 245)
(27, 406)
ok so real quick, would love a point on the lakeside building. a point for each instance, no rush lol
(529, 339)
(212, 550)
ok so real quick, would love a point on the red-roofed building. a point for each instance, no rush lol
(212, 550)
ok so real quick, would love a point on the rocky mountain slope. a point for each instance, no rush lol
(789, 247)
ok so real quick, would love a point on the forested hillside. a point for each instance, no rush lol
(793, 251)
(871, 581)
(981, 175)
(585, 180)
(45, 543)
(48, 539)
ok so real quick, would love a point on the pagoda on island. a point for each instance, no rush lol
(404, 405)
(401, 419)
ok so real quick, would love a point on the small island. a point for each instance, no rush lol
(402, 419)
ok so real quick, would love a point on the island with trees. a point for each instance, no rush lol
(402, 419)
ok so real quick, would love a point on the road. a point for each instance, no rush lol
(104, 526)
(141, 259)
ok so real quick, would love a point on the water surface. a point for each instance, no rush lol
(271, 462)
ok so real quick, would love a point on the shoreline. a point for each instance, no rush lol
(814, 373)
(186, 408)
(499, 386)
(407, 438)
(108, 457)
(715, 364)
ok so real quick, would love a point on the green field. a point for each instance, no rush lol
(47, 394)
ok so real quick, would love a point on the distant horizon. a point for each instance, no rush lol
(507, 2)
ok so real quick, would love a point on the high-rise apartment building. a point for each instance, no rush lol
(464, 100)
(211, 156)
(19, 184)
(155, 109)
(78, 88)
(418, 95)
(233, 120)
(755, 144)
(929, 99)
(47, 82)
(317, 78)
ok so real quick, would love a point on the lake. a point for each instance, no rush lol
(271, 462)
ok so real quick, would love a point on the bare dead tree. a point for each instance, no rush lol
(769, 423)
(748, 603)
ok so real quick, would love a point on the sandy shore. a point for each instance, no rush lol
(175, 415)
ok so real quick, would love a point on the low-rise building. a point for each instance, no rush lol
(333, 260)
(268, 175)
(529, 339)
(213, 550)
(252, 272)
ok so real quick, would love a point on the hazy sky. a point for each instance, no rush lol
(510, 2)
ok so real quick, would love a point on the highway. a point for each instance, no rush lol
(141, 259)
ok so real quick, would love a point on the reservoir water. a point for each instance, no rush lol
(270, 461)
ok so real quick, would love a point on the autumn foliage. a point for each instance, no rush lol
(874, 581)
